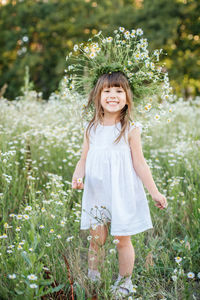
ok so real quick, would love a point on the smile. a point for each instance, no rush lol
(112, 102)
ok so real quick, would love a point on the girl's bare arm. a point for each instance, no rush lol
(80, 167)
(142, 169)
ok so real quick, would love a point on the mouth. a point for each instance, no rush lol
(112, 102)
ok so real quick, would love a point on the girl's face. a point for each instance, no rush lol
(113, 99)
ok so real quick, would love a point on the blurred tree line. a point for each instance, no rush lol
(40, 33)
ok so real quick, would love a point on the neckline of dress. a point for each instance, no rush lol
(109, 125)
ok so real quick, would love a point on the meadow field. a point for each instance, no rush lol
(43, 253)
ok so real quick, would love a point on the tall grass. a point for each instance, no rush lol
(40, 213)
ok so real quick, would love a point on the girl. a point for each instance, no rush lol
(115, 170)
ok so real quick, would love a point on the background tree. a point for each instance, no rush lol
(41, 33)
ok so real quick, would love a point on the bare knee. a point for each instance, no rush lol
(124, 241)
(99, 236)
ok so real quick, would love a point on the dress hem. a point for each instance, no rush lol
(126, 233)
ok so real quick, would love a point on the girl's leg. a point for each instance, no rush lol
(126, 255)
(96, 251)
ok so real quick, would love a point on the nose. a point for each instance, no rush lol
(113, 95)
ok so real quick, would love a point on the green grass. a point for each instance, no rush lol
(40, 146)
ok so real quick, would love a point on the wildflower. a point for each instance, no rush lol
(19, 217)
(69, 238)
(6, 226)
(147, 63)
(92, 55)
(121, 29)
(51, 231)
(112, 251)
(41, 226)
(134, 290)
(139, 31)
(70, 67)
(30, 249)
(4, 236)
(116, 241)
(62, 223)
(86, 49)
(190, 275)
(109, 39)
(174, 277)
(32, 277)
(33, 286)
(26, 217)
(75, 48)
(133, 33)
(47, 244)
(178, 259)
(157, 117)
(89, 237)
(98, 50)
(198, 275)
(168, 120)
(95, 45)
(9, 251)
(19, 247)
(127, 34)
(28, 208)
(159, 69)
(43, 209)
(152, 66)
(12, 215)
(12, 276)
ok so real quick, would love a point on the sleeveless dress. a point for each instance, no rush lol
(113, 192)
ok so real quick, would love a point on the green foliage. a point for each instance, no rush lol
(39, 34)
(40, 214)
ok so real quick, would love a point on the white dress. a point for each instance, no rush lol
(113, 192)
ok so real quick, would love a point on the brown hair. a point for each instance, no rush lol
(117, 79)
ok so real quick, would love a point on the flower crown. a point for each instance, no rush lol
(126, 52)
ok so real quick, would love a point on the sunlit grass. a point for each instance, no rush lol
(40, 213)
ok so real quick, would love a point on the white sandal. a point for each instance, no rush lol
(122, 287)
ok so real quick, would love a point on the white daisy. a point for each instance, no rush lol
(75, 48)
(190, 275)
(33, 286)
(139, 31)
(109, 39)
(92, 55)
(12, 276)
(32, 277)
(121, 29)
(178, 259)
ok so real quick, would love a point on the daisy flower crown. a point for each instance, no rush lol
(126, 52)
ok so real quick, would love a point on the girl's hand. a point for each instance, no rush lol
(77, 183)
(161, 201)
